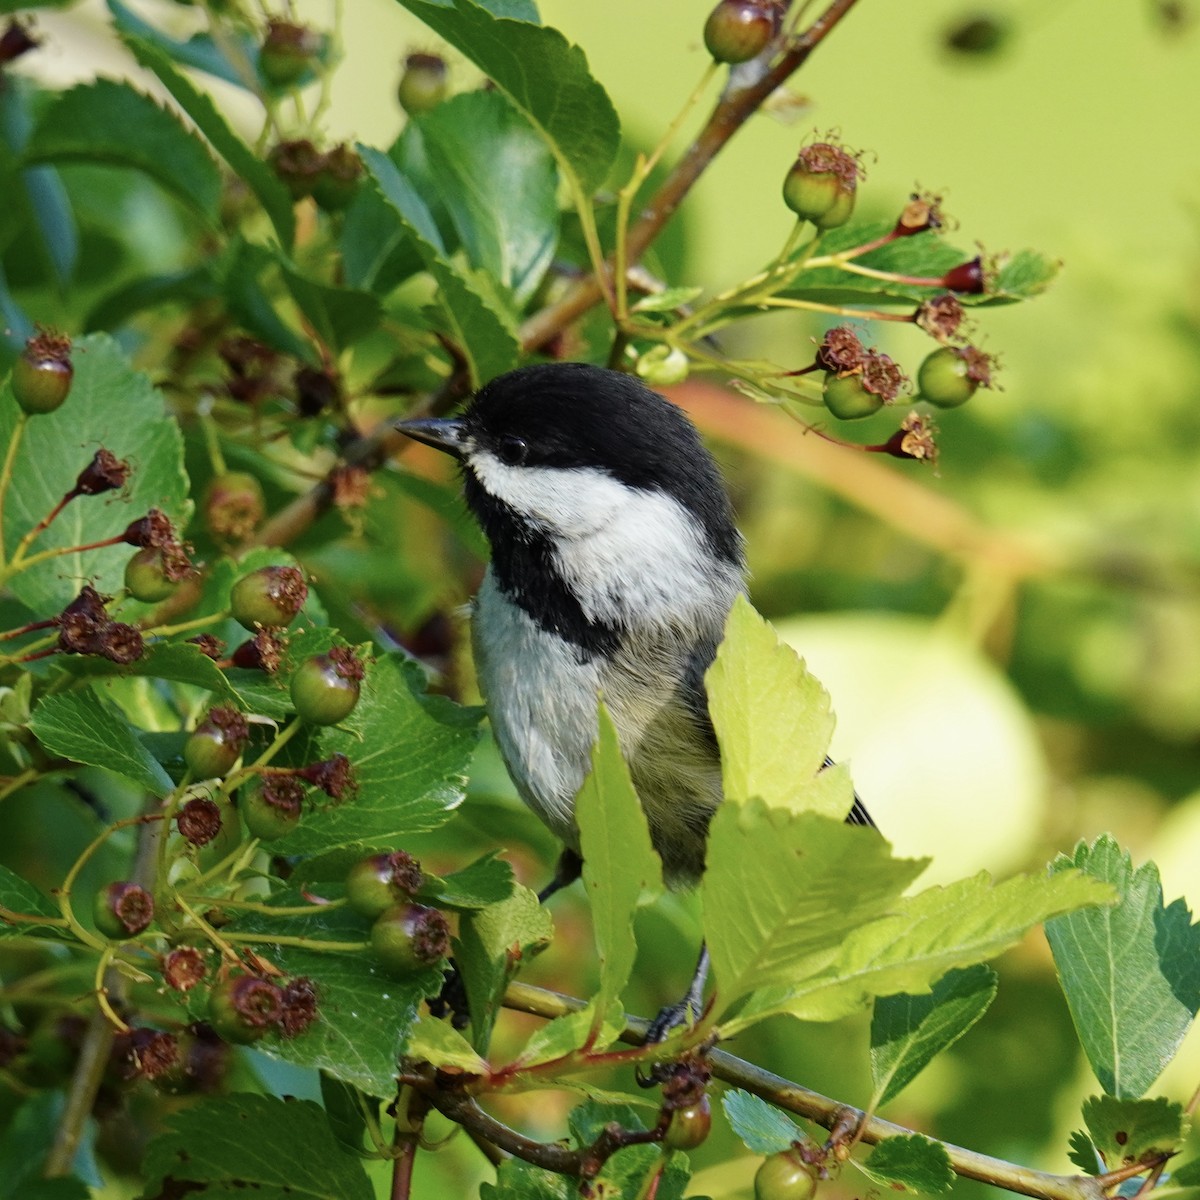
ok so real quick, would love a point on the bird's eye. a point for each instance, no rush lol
(511, 451)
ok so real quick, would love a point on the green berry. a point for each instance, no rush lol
(337, 182)
(244, 1009)
(951, 376)
(271, 805)
(847, 399)
(423, 84)
(217, 743)
(663, 366)
(288, 52)
(382, 881)
(122, 909)
(689, 1126)
(146, 578)
(233, 507)
(269, 597)
(838, 213)
(810, 194)
(739, 30)
(325, 688)
(41, 376)
(785, 1176)
(409, 938)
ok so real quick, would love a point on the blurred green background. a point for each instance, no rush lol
(1038, 682)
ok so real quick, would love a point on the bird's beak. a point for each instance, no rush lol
(443, 433)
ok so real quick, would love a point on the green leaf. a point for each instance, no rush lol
(410, 756)
(187, 287)
(498, 180)
(110, 123)
(1083, 1153)
(29, 1133)
(783, 890)
(489, 880)
(346, 1107)
(363, 1015)
(545, 76)
(275, 1149)
(668, 300)
(908, 1031)
(1129, 1033)
(492, 944)
(339, 316)
(1131, 1131)
(109, 405)
(518, 1180)
(927, 935)
(439, 1043)
(909, 1163)
(761, 699)
(257, 176)
(240, 270)
(487, 339)
(20, 896)
(620, 865)
(86, 728)
(179, 662)
(762, 1126)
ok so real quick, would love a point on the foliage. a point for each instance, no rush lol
(227, 418)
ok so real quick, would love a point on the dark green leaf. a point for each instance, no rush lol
(29, 1133)
(1130, 1131)
(912, 1164)
(410, 758)
(517, 1180)
(247, 165)
(908, 1031)
(110, 123)
(198, 51)
(240, 270)
(109, 405)
(545, 76)
(1083, 1153)
(486, 881)
(186, 287)
(88, 729)
(488, 340)
(1128, 1032)
(177, 661)
(346, 1108)
(275, 1149)
(19, 896)
(763, 1127)
(498, 181)
(339, 316)
(377, 251)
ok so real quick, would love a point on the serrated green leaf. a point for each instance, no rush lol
(1130, 972)
(1130, 1131)
(761, 1126)
(498, 181)
(364, 1015)
(338, 315)
(762, 699)
(178, 662)
(489, 880)
(620, 865)
(783, 890)
(570, 1032)
(545, 76)
(927, 935)
(909, 1163)
(86, 728)
(1083, 1153)
(410, 759)
(277, 1149)
(18, 895)
(907, 1032)
(439, 1043)
(485, 337)
(111, 123)
(517, 1180)
(257, 176)
(109, 405)
(240, 270)
(491, 945)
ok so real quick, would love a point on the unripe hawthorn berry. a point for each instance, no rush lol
(822, 183)
(270, 597)
(244, 1009)
(288, 50)
(689, 1126)
(409, 938)
(297, 163)
(423, 83)
(217, 743)
(785, 1176)
(326, 687)
(146, 578)
(847, 398)
(336, 184)
(663, 366)
(951, 376)
(123, 909)
(739, 30)
(42, 374)
(381, 881)
(199, 821)
(233, 506)
(271, 805)
(183, 968)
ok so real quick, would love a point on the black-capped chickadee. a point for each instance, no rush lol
(615, 562)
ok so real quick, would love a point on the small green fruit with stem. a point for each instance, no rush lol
(410, 937)
(382, 881)
(785, 1176)
(739, 30)
(42, 374)
(269, 597)
(326, 687)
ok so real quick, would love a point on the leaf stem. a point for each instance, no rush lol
(318, 945)
(10, 457)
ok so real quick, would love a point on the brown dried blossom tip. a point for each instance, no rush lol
(822, 184)
(940, 316)
(123, 909)
(183, 968)
(120, 643)
(17, 39)
(297, 163)
(841, 351)
(334, 776)
(922, 212)
(151, 531)
(80, 623)
(105, 473)
(208, 644)
(199, 821)
(298, 1009)
(351, 486)
(144, 1054)
(914, 439)
(263, 652)
(316, 390)
(881, 376)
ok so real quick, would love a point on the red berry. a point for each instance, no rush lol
(270, 597)
(381, 881)
(409, 938)
(739, 30)
(325, 688)
(123, 909)
(689, 1126)
(271, 805)
(785, 1176)
(217, 743)
(41, 376)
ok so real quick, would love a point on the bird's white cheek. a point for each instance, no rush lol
(561, 501)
